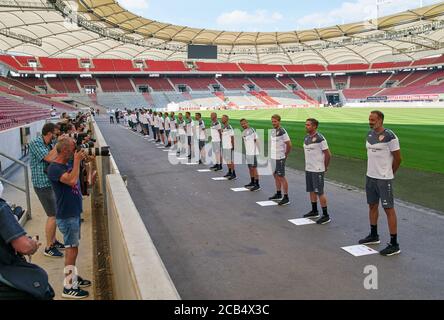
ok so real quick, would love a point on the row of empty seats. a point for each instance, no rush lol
(13, 113)
(69, 65)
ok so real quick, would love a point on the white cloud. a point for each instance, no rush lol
(238, 19)
(355, 11)
(134, 4)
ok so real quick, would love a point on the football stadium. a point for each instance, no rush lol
(143, 159)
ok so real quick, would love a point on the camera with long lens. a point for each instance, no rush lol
(79, 137)
(98, 152)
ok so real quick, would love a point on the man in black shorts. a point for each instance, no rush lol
(280, 149)
(384, 159)
(250, 138)
(317, 159)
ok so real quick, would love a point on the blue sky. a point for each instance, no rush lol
(265, 15)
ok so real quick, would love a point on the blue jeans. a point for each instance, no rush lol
(70, 228)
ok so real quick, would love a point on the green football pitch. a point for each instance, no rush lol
(420, 131)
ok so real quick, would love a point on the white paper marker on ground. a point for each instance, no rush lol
(302, 221)
(267, 203)
(204, 170)
(240, 189)
(359, 250)
(219, 179)
(191, 163)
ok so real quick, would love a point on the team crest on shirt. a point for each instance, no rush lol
(381, 138)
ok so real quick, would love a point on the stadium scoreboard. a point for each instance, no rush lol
(202, 52)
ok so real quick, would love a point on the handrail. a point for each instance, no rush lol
(26, 189)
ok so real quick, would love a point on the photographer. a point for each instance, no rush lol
(18, 278)
(41, 153)
(65, 182)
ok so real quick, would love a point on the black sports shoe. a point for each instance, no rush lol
(82, 283)
(276, 197)
(323, 220)
(214, 167)
(391, 250)
(285, 201)
(74, 293)
(250, 185)
(53, 252)
(59, 245)
(312, 214)
(370, 239)
(232, 177)
(256, 187)
(227, 175)
(219, 168)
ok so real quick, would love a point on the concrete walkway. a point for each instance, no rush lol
(36, 226)
(219, 244)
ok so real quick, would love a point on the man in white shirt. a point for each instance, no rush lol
(250, 138)
(173, 128)
(161, 127)
(182, 134)
(228, 147)
(144, 122)
(156, 126)
(189, 127)
(134, 120)
(317, 159)
(167, 128)
(280, 149)
(202, 136)
(384, 159)
(216, 142)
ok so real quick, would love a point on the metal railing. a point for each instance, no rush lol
(26, 189)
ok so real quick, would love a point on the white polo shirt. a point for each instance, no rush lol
(214, 131)
(314, 147)
(379, 153)
(279, 137)
(250, 138)
(227, 133)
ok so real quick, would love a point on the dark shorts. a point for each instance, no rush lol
(279, 167)
(167, 132)
(189, 140)
(315, 182)
(377, 189)
(201, 144)
(161, 131)
(228, 155)
(70, 228)
(48, 200)
(216, 146)
(251, 161)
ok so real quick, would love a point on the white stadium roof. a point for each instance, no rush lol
(103, 29)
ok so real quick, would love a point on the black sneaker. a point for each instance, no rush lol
(370, 239)
(59, 245)
(256, 187)
(74, 293)
(250, 185)
(219, 168)
(227, 175)
(276, 197)
(53, 252)
(82, 283)
(323, 220)
(232, 177)
(312, 214)
(200, 162)
(391, 250)
(285, 201)
(214, 167)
